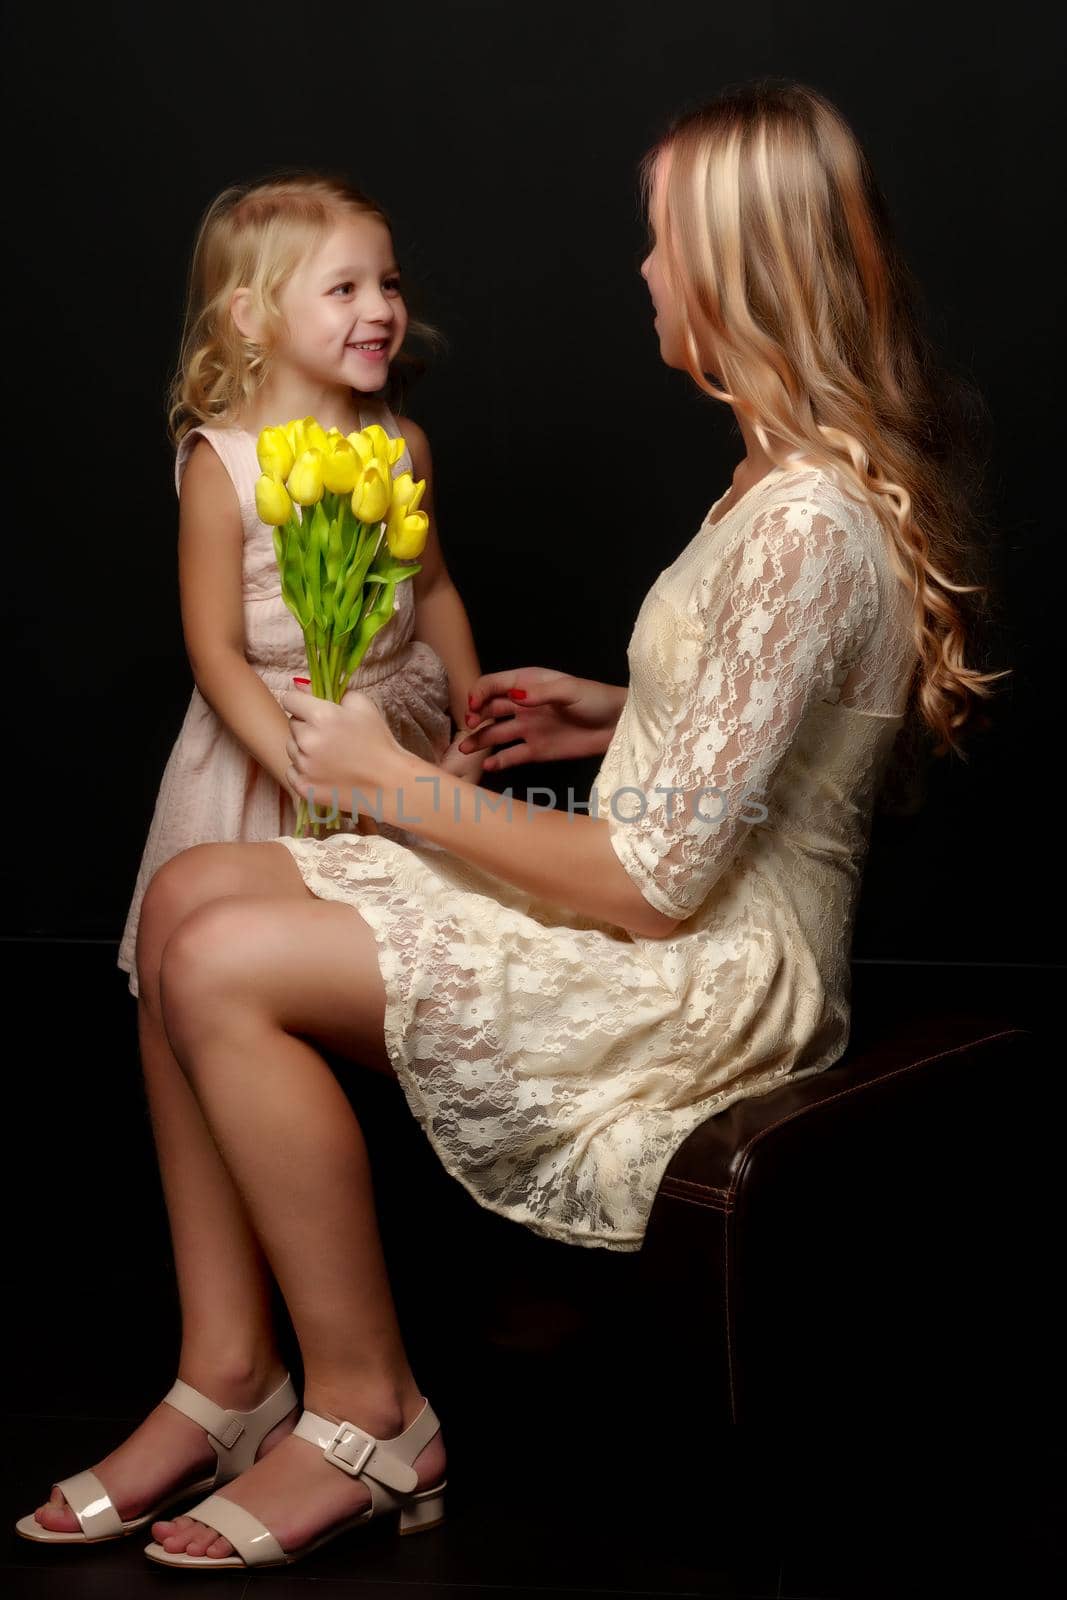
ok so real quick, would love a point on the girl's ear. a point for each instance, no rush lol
(241, 310)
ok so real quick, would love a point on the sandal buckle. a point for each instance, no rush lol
(229, 1435)
(353, 1465)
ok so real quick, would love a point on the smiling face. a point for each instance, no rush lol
(345, 292)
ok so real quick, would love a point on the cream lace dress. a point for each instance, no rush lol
(556, 1062)
(212, 788)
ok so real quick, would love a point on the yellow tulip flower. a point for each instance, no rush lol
(406, 492)
(406, 536)
(372, 493)
(305, 482)
(341, 465)
(407, 528)
(373, 441)
(361, 445)
(314, 435)
(273, 504)
(305, 434)
(274, 453)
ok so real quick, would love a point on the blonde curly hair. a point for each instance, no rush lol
(779, 256)
(255, 234)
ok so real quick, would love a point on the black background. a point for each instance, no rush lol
(570, 467)
(503, 143)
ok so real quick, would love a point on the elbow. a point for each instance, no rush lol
(633, 910)
(645, 922)
(207, 664)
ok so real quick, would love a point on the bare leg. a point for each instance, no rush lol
(228, 1349)
(239, 981)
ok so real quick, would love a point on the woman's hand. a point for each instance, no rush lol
(337, 747)
(559, 717)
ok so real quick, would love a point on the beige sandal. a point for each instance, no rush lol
(384, 1465)
(235, 1435)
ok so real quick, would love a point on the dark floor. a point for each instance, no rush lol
(918, 1518)
(962, 1508)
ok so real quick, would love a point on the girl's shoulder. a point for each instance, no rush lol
(235, 447)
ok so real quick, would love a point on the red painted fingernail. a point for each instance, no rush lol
(301, 680)
(517, 694)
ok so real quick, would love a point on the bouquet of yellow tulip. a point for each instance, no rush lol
(359, 529)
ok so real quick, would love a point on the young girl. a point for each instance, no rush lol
(563, 998)
(295, 308)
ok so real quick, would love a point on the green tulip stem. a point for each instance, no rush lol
(319, 688)
(325, 662)
(378, 587)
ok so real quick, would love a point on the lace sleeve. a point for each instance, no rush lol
(792, 609)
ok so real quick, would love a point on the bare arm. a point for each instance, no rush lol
(210, 539)
(564, 858)
(441, 619)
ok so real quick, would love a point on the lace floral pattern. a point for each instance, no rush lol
(556, 1062)
(792, 608)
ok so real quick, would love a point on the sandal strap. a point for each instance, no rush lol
(252, 1541)
(225, 1426)
(91, 1504)
(358, 1452)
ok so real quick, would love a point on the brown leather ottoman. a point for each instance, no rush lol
(871, 1241)
(859, 1242)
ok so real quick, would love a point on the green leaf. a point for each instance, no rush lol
(351, 529)
(334, 549)
(391, 570)
(376, 619)
(294, 589)
(313, 562)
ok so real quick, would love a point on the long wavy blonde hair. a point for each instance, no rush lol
(255, 234)
(779, 256)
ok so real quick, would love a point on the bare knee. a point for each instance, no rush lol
(210, 977)
(176, 889)
(198, 876)
(199, 966)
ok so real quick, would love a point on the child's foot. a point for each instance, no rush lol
(298, 1494)
(167, 1450)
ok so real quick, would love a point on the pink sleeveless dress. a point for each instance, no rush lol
(213, 789)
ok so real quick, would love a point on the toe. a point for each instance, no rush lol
(199, 1539)
(178, 1533)
(56, 1515)
(204, 1542)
